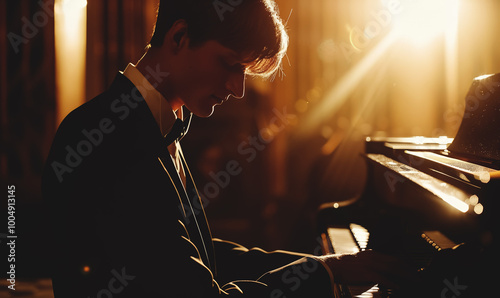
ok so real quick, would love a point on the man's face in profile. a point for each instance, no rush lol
(206, 76)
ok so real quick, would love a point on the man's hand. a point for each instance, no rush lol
(370, 267)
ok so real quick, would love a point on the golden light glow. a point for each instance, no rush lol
(454, 202)
(487, 176)
(339, 93)
(418, 22)
(478, 209)
(473, 200)
(483, 77)
(423, 20)
(452, 195)
(72, 12)
(70, 43)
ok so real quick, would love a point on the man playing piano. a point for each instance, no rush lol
(126, 217)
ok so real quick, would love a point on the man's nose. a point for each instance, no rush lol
(236, 84)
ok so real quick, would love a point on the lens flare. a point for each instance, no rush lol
(422, 21)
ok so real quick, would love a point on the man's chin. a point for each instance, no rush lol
(204, 113)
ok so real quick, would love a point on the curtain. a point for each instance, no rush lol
(117, 34)
(27, 121)
(27, 93)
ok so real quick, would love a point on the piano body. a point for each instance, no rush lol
(423, 197)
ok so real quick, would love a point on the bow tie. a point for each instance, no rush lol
(179, 129)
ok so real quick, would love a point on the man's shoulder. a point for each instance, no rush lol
(110, 122)
(111, 106)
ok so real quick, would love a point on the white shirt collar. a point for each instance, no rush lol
(159, 106)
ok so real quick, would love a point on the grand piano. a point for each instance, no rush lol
(431, 201)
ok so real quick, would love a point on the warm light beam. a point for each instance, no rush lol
(70, 43)
(421, 21)
(345, 85)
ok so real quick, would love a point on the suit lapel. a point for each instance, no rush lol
(172, 173)
(192, 210)
(199, 213)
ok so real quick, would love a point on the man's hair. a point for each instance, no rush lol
(252, 28)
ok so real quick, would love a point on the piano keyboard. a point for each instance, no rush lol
(355, 238)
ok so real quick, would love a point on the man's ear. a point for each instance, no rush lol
(176, 36)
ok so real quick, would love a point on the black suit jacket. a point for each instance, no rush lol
(123, 225)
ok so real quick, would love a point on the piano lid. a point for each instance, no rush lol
(478, 137)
